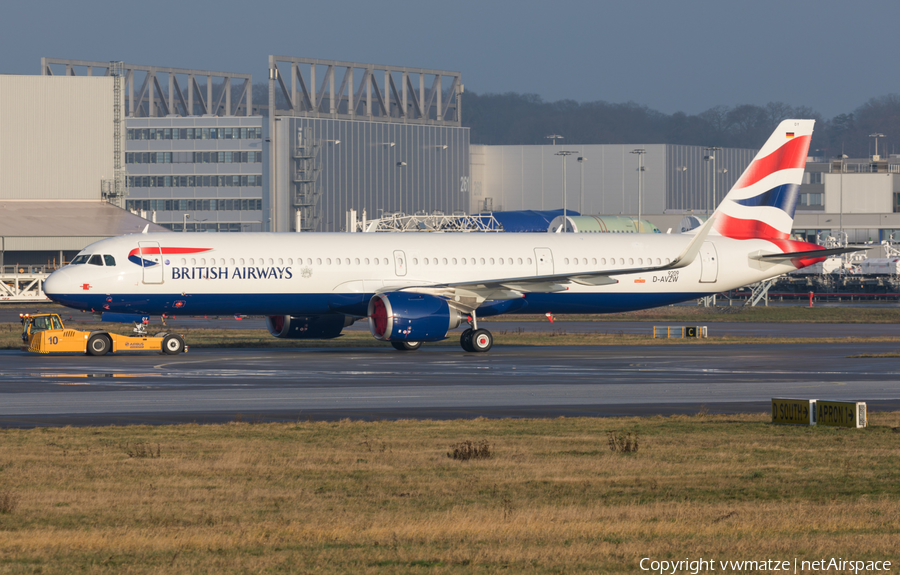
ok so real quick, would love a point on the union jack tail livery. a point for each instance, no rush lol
(762, 202)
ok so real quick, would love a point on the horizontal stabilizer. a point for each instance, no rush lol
(805, 254)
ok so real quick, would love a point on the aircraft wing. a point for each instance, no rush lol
(469, 295)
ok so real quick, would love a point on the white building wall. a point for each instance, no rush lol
(862, 193)
(530, 178)
(56, 136)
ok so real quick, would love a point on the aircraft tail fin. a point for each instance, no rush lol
(761, 203)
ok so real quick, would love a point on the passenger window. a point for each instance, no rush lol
(271, 262)
(529, 261)
(356, 261)
(492, 261)
(327, 261)
(347, 261)
(309, 261)
(631, 261)
(657, 261)
(250, 261)
(319, 261)
(454, 261)
(520, 261)
(95, 260)
(584, 261)
(415, 261)
(337, 261)
(202, 261)
(242, 261)
(640, 261)
(109, 260)
(445, 261)
(290, 261)
(280, 261)
(621, 261)
(566, 261)
(367, 261)
(482, 261)
(386, 261)
(593, 261)
(434, 261)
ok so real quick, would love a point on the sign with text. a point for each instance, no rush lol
(796, 411)
(841, 413)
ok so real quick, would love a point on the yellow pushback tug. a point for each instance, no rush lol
(45, 333)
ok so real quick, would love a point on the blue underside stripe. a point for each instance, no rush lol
(353, 304)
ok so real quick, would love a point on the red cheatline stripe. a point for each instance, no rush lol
(150, 251)
(791, 155)
(740, 229)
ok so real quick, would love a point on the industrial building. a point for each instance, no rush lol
(60, 168)
(193, 150)
(370, 138)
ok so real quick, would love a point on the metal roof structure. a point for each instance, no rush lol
(195, 99)
(64, 225)
(401, 97)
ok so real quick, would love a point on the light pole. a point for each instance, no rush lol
(554, 137)
(876, 157)
(640, 154)
(184, 222)
(581, 160)
(841, 197)
(563, 154)
(711, 156)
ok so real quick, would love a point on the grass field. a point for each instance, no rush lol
(384, 497)
(260, 338)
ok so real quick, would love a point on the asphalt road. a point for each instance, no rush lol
(436, 382)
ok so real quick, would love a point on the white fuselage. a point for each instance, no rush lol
(315, 273)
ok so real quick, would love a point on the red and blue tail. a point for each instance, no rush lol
(762, 202)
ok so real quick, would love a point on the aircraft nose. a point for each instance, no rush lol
(55, 282)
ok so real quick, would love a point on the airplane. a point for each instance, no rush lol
(416, 288)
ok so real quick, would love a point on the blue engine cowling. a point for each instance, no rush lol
(402, 316)
(308, 326)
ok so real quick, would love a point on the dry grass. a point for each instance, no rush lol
(383, 497)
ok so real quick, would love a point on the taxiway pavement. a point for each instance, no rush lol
(210, 385)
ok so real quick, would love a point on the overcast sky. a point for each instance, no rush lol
(685, 55)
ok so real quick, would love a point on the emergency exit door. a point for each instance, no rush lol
(709, 263)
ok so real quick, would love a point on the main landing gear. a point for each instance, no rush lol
(474, 339)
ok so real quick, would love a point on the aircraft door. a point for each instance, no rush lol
(399, 263)
(151, 262)
(543, 257)
(709, 264)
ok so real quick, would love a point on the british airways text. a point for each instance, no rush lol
(224, 273)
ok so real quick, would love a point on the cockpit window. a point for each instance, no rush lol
(110, 261)
(95, 260)
(79, 259)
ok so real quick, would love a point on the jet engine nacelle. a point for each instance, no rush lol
(402, 316)
(308, 326)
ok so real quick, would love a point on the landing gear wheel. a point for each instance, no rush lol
(172, 345)
(465, 340)
(98, 345)
(406, 345)
(481, 340)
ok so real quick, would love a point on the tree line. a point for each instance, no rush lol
(523, 119)
(516, 119)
